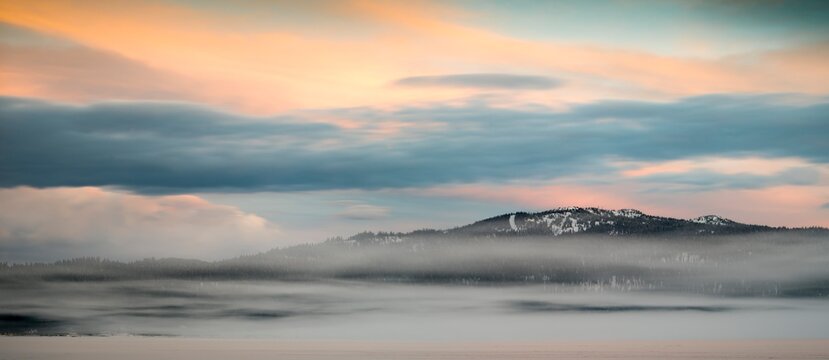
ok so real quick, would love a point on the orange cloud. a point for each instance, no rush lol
(272, 68)
(252, 72)
(78, 74)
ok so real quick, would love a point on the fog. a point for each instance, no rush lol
(765, 264)
(433, 288)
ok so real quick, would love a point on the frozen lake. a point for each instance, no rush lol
(367, 311)
(140, 348)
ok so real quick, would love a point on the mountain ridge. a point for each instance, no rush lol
(573, 220)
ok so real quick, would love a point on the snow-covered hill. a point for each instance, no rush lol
(575, 220)
(569, 221)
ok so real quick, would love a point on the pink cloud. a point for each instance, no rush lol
(792, 206)
(722, 165)
(101, 222)
(540, 197)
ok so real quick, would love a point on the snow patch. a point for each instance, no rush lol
(711, 220)
(629, 213)
(512, 223)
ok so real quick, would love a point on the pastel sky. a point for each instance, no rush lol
(210, 129)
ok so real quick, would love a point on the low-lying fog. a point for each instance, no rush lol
(759, 286)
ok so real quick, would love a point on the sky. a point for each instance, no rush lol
(209, 129)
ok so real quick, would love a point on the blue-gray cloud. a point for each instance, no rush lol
(158, 147)
(796, 16)
(483, 81)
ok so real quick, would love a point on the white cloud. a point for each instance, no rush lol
(58, 223)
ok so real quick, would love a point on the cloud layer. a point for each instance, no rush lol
(163, 147)
(59, 223)
(344, 53)
(65, 71)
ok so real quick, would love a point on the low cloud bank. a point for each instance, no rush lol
(59, 223)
